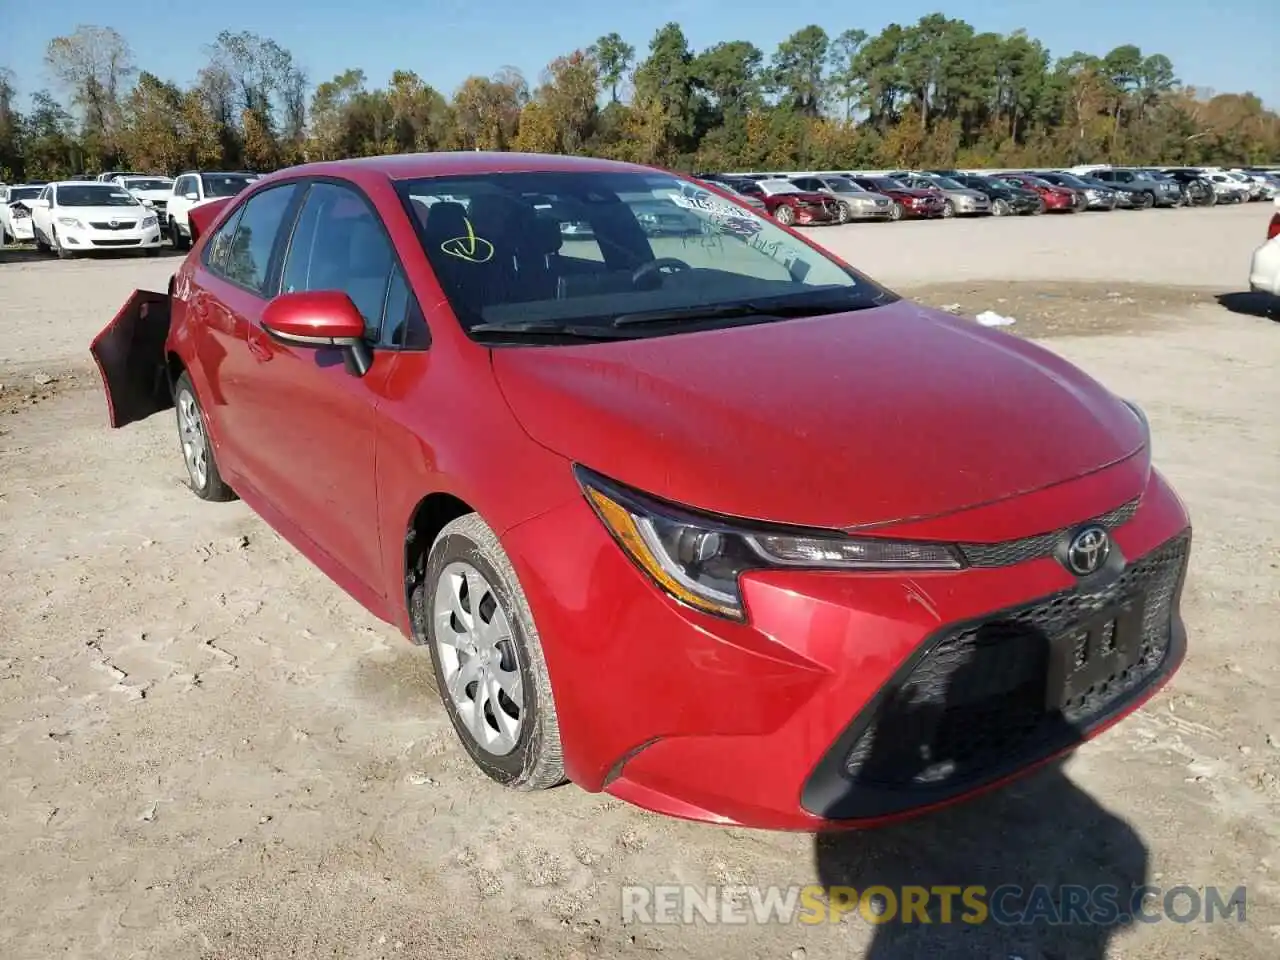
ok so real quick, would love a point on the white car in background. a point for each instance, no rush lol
(1227, 187)
(152, 191)
(78, 216)
(15, 213)
(194, 188)
(1264, 271)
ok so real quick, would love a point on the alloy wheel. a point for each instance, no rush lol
(898, 213)
(478, 658)
(1000, 208)
(843, 215)
(785, 215)
(948, 209)
(195, 441)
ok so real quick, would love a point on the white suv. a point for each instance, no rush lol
(194, 188)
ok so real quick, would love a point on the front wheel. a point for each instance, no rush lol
(844, 213)
(176, 238)
(487, 656)
(197, 448)
(785, 215)
(40, 243)
(899, 212)
(1148, 201)
(1000, 208)
(948, 209)
(63, 252)
(1041, 207)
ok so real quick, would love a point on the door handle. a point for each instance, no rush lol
(258, 345)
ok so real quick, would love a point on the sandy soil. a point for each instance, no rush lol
(211, 752)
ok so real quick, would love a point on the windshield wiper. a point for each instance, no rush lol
(547, 328)
(779, 308)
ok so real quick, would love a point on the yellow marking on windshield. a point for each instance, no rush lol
(471, 248)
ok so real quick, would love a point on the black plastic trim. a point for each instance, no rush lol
(829, 792)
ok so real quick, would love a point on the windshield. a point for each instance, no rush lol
(842, 185)
(1070, 181)
(74, 195)
(148, 183)
(946, 183)
(24, 193)
(498, 246)
(884, 184)
(224, 184)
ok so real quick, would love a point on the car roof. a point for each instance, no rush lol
(412, 166)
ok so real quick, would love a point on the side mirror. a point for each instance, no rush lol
(320, 318)
(191, 195)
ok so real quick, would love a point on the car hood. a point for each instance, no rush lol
(804, 195)
(892, 413)
(915, 192)
(152, 194)
(966, 192)
(102, 213)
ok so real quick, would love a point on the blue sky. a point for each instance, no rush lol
(1228, 45)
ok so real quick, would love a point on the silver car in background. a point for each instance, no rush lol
(959, 199)
(855, 203)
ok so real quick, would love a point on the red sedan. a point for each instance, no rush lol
(1056, 198)
(908, 202)
(718, 525)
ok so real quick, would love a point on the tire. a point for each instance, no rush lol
(176, 238)
(1041, 207)
(948, 209)
(845, 214)
(1148, 200)
(785, 215)
(1000, 208)
(899, 212)
(41, 246)
(206, 483)
(63, 252)
(467, 552)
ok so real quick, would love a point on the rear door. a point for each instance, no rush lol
(228, 294)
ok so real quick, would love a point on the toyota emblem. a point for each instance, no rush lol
(115, 223)
(1088, 551)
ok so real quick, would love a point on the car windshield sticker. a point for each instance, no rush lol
(471, 248)
(724, 216)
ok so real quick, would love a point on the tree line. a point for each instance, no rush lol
(933, 93)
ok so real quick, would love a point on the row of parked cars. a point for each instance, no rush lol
(844, 196)
(117, 210)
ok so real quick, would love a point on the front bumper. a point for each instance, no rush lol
(872, 211)
(90, 238)
(815, 714)
(971, 206)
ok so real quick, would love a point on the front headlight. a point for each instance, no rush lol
(150, 222)
(697, 559)
(71, 222)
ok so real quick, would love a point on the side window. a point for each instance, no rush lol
(403, 324)
(220, 244)
(340, 244)
(249, 257)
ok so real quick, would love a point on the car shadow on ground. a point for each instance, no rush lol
(21, 255)
(1023, 843)
(1252, 304)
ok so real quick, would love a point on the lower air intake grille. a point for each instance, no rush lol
(1016, 686)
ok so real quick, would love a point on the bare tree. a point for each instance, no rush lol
(94, 64)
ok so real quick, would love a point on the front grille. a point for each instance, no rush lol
(980, 698)
(116, 243)
(117, 225)
(1009, 552)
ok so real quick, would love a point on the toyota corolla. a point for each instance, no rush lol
(722, 527)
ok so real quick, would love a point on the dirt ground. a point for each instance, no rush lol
(212, 752)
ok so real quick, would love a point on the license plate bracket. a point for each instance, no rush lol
(1091, 652)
